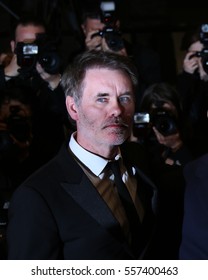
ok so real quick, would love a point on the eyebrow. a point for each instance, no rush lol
(100, 94)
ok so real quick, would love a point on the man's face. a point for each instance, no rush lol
(92, 25)
(24, 110)
(105, 112)
(26, 34)
(196, 47)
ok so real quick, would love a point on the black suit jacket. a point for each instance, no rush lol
(58, 214)
(194, 245)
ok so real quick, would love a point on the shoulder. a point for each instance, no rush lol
(196, 177)
(197, 167)
(60, 169)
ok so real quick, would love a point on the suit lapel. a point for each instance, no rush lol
(85, 194)
(80, 188)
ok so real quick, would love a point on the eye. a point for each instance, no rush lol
(125, 99)
(102, 99)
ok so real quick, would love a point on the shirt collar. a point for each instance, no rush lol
(94, 162)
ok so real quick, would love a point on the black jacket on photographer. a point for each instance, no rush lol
(192, 84)
(161, 129)
(170, 182)
(50, 121)
(194, 94)
(49, 129)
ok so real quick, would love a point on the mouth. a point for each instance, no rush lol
(116, 124)
(116, 127)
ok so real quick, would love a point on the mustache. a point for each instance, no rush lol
(116, 121)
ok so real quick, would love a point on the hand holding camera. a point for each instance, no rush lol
(160, 126)
(195, 61)
(190, 63)
(162, 120)
(172, 141)
(102, 30)
(197, 57)
(93, 42)
(11, 70)
(53, 80)
(39, 56)
(42, 51)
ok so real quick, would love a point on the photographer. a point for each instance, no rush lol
(192, 84)
(166, 124)
(101, 28)
(26, 31)
(16, 140)
(164, 138)
(95, 22)
(41, 72)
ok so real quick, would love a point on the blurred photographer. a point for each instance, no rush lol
(192, 84)
(16, 139)
(26, 31)
(162, 132)
(36, 63)
(165, 126)
(101, 28)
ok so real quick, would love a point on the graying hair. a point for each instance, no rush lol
(73, 76)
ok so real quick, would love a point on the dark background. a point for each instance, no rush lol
(135, 14)
(156, 23)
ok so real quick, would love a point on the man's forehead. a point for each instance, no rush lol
(93, 22)
(98, 70)
(27, 32)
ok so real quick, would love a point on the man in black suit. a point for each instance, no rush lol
(71, 208)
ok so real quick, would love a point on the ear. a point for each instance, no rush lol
(12, 44)
(118, 23)
(83, 28)
(71, 108)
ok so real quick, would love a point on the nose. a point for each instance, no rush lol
(101, 26)
(116, 108)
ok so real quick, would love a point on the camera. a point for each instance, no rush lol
(42, 50)
(161, 119)
(204, 52)
(110, 32)
(164, 122)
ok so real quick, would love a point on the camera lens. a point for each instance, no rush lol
(114, 41)
(50, 62)
(164, 126)
(164, 123)
(204, 55)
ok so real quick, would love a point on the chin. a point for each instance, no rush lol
(118, 139)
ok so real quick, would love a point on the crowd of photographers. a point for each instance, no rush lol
(170, 121)
(31, 77)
